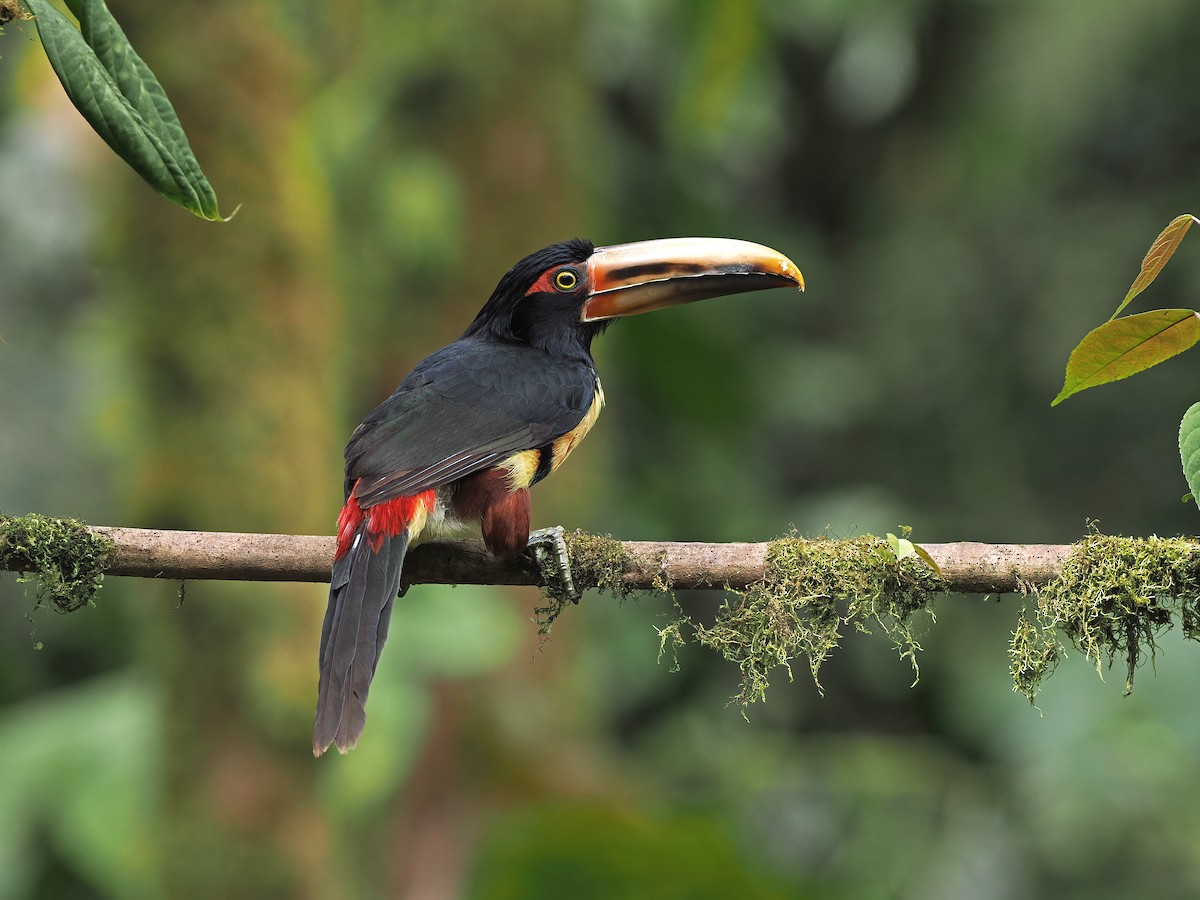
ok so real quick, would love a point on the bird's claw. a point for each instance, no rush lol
(548, 547)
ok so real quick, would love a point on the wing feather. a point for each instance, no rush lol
(465, 408)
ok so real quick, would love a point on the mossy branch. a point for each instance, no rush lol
(228, 556)
(1109, 596)
(65, 557)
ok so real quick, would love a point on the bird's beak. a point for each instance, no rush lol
(635, 278)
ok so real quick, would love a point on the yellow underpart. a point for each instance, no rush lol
(417, 525)
(563, 446)
(521, 468)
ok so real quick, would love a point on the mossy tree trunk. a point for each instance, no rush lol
(231, 332)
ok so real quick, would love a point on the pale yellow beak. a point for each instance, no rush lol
(626, 279)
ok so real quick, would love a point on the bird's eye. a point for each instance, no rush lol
(566, 280)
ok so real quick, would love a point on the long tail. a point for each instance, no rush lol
(372, 544)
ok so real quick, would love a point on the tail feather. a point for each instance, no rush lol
(362, 592)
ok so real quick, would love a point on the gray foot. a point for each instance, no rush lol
(548, 547)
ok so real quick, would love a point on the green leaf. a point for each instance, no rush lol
(1123, 347)
(1157, 256)
(901, 547)
(119, 96)
(927, 559)
(1189, 447)
(138, 85)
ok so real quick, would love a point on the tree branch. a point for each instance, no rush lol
(967, 567)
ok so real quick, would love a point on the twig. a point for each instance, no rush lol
(967, 567)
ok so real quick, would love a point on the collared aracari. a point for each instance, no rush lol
(475, 425)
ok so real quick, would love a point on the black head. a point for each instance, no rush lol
(561, 297)
(539, 301)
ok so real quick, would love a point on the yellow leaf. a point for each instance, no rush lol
(929, 561)
(1157, 256)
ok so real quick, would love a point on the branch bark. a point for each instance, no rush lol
(967, 567)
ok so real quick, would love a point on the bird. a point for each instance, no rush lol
(475, 425)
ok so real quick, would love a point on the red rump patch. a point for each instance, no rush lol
(391, 518)
(383, 520)
(348, 520)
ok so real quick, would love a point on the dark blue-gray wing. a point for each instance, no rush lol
(467, 407)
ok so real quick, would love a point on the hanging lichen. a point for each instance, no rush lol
(1113, 599)
(63, 556)
(812, 588)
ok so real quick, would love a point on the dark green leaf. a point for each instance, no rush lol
(139, 86)
(121, 99)
(1157, 256)
(1124, 347)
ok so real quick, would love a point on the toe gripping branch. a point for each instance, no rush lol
(548, 547)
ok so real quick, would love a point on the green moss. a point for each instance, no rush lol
(600, 560)
(596, 560)
(1113, 599)
(65, 558)
(1034, 655)
(812, 589)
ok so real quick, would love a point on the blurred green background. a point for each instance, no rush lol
(968, 186)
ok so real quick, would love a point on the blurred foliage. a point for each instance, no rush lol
(637, 856)
(966, 185)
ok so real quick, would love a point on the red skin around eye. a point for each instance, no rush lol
(545, 284)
